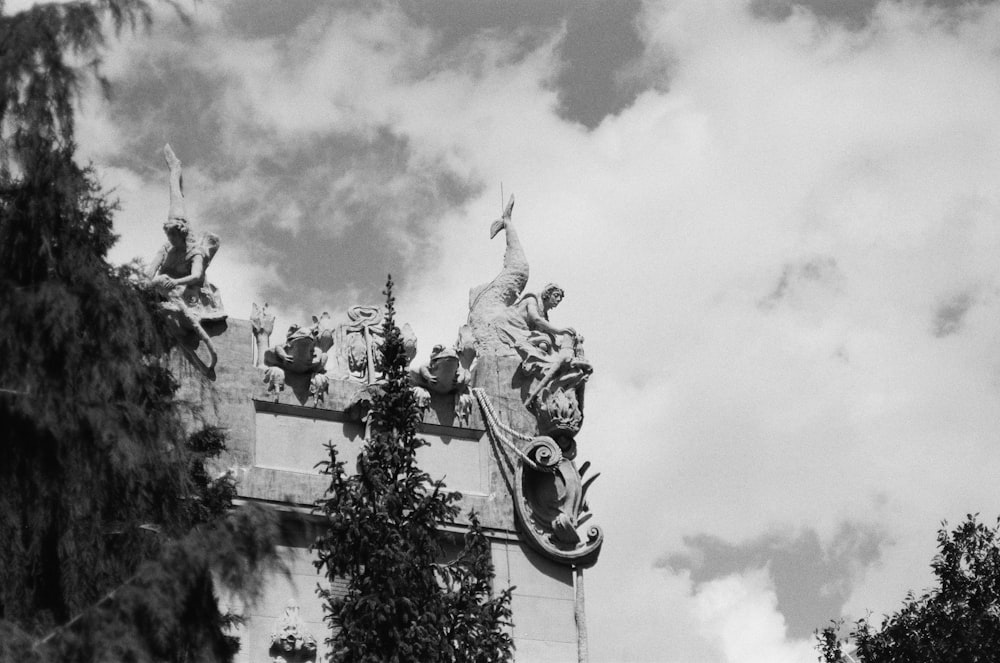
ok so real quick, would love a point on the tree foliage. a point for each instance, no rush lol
(384, 534)
(113, 527)
(958, 620)
(48, 53)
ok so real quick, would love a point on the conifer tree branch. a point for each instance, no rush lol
(404, 600)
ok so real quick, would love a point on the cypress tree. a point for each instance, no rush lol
(384, 534)
(113, 532)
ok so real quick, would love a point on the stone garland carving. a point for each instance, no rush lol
(358, 344)
(551, 375)
(292, 643)
(356, 347)
(177, 274)
(326, 350)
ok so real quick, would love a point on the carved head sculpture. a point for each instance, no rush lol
(177, 231)
(444, 361)
(551, 295)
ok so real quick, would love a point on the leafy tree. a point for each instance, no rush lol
(384, 534)
(958, 620)
(114, 531)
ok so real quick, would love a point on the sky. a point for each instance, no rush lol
(777, 224)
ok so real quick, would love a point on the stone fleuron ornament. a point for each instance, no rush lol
(262, 322)
(291, 643)
(177, 274)
(545, 366)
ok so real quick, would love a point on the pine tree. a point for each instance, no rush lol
(112, 530)
(384, 535)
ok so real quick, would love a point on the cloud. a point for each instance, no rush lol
(293, 139)
(797, 279)
(738, 612)
(812, 579)
(598, 46)
(950, 314)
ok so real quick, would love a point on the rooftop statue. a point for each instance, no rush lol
(506, 321)
(177, 272)
(509, 325)
(502, 303)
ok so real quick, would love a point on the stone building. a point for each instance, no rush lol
(502, 408)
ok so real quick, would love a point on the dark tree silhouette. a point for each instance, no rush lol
(384, 533)
(112, 527)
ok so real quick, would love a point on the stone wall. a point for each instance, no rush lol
(274, 444)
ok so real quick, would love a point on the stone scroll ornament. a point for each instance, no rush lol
(549, 492)
(177, 276)
(551, 372)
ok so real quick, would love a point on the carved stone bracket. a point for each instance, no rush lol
(549, 493)
(549, 503)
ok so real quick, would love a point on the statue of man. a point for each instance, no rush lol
(177, 273)
(531, 312)
(500, 303)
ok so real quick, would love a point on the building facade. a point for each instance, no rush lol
(279, 421)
